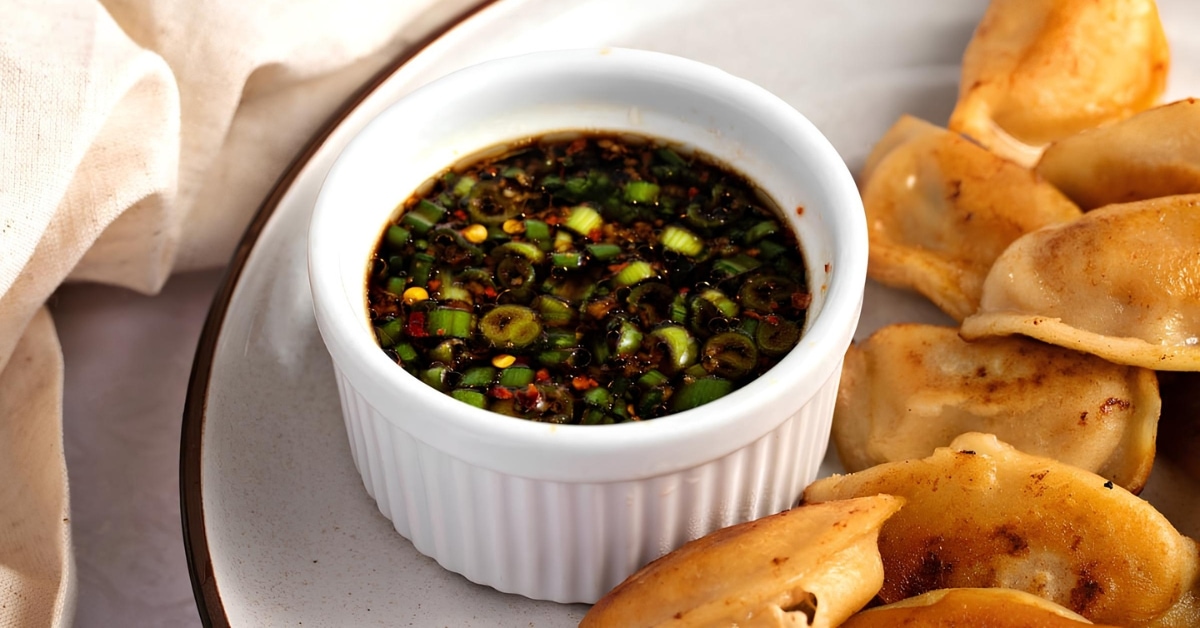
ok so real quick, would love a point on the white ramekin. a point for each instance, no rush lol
(565, 513)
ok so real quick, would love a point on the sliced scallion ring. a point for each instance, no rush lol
(510, 326)
(731, 355)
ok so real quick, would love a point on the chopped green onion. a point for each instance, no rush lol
(650, 401)
(397, 236)
(682, 349)
(389, 333)
(595, 416)
(396, 285)
(516, 377)
(448, 322)
(681, 241)
(767, 293)
(603, 252)
(537, 230)
(524, 249)
(707, 217)
(652, 379)
(727, 306)
(770, 249)
(435, 376)
(560, 338)
(641, 192)
(423, 217)
(556, 357)
(449, 352)
(637, 271)
(512, 172)
(679, 308)
(554, 311)
(776, 337)
(731, 355)
(749, 326)
(563, 241)
(734, 266)
(583, 220)
(566, 260)
(422, 264)
(463, 186)
(510, 326)
(405, 351)
(595, 185)
(629, 339)
(451, 292)
(471, 397)
(761, 230)
(700, 392)
(477, 377)
(515, 272)
(598, 396)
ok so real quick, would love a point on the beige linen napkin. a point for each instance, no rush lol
(136, 138)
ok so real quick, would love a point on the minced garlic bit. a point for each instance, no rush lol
(475, 233)
(503, 361)
(415, 294)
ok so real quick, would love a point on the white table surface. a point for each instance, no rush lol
(128, 357)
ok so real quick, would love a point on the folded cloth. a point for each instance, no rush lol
(138, 138)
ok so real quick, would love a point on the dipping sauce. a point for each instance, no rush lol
(590, 280)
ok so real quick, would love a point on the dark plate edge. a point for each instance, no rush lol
(195, 541)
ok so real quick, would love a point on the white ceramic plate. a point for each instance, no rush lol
(279, 528)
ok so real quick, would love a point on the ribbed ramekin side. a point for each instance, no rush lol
(572, 542)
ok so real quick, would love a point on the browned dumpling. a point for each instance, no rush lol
(1037, 71)
(1123, 283)
(1155, 153)
(812, 566)
(982, 514)
(969, 608)
(909, 389)
(940, 210)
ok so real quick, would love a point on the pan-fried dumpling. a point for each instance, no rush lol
(982, 514)
(1037, 71)
(1155, 153)
(812, 566)
(909, 389)
(940, 209)
(1123, 283)
(960, 608)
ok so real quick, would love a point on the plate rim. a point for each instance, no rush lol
(195, 539)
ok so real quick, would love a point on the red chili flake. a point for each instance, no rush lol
(434, 284)
(529, 397)
(583, 382)
(827, 267)
(692, 192)
(771, 319)
(500, 392)
(552, 219)
(577, 146)
(416, 325)
(595, 234)
(490, 292)
(685, 289)
(616, 268)
(752, 314)
(799, 210)
(459, 214)
(801, 300)
(542, 375)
